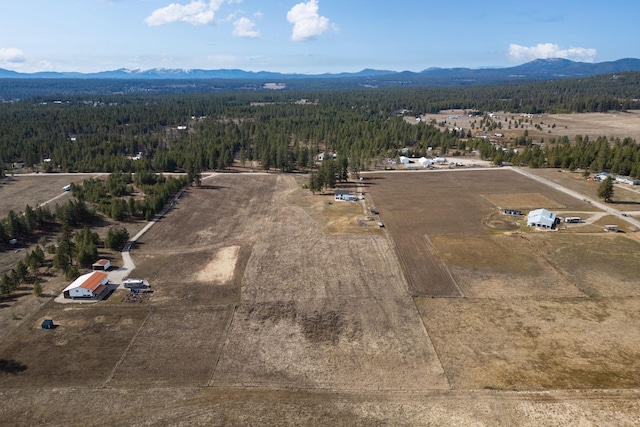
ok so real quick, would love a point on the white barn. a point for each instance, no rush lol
(90, 285)
(425, 162)
(541, 218)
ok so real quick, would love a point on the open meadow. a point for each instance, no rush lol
(611, 125)
(273, 306)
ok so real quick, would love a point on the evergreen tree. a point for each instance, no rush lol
(37, 288)
(605, 190)
(5, 286)
(116, 238)
(314, 182)
(63, 258)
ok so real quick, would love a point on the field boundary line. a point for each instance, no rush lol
(435, 350)
(436, 254)
(126, 350)
(543, 256)
(224, 344)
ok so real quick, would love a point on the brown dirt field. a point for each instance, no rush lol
(417, 208)
(502, 266)
(317, 324)
(80, 352)
(541, 309)
(528, 344)
(601, 265)
(173, 348)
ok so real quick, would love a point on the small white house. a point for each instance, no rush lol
(541, 218)
(344, 196)
(404, 160)
(627, 180)
(90, 285)
(324, 155)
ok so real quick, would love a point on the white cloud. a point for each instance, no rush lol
(244, 27)
(197, 12)
(550, 50)
(11, 55)
(307, 23)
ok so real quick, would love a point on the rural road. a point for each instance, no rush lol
(577, 195)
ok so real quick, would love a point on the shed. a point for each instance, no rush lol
(404, 160)
(48, 324)
(101, 264)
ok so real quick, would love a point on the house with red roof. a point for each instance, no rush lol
(90, 285)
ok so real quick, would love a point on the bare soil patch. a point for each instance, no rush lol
(220, 269)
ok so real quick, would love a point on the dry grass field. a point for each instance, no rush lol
(273, 306)
(542, 310)
(425, 210)
(20, 190)
(612, 125)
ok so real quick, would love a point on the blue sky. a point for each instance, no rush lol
(310, 36)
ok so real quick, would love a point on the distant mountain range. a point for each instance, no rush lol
(534, 70)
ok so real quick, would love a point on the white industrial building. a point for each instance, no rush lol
(541, 218)
(90, 285)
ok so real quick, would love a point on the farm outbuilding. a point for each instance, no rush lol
(425, 162)
(541, 218)
(101, 264)
(514, 212)
(48, 324)
(344, 196)
(90, 285)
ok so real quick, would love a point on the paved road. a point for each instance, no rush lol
(602, 206)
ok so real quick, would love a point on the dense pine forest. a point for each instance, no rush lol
(285, 130)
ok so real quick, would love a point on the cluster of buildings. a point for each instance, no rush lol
(599, 177)
(91, 285)
(425, 162)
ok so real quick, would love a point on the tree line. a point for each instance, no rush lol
(196, 132)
